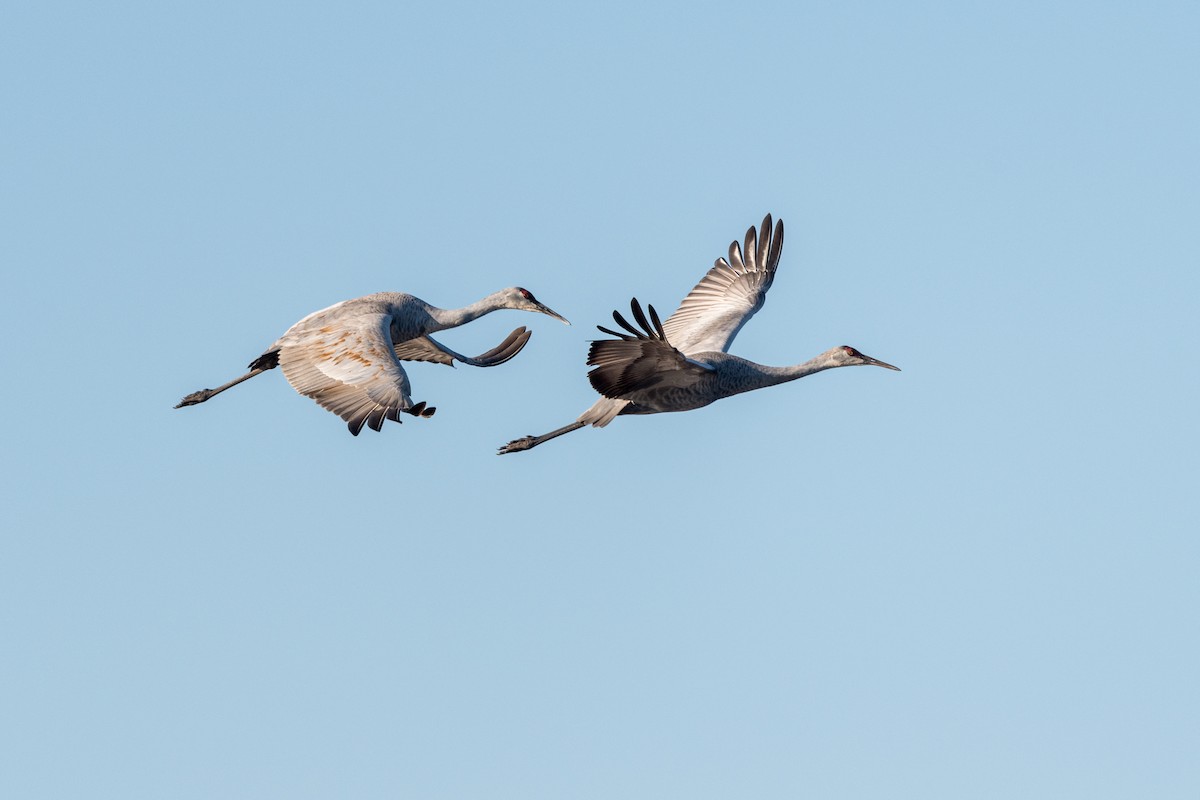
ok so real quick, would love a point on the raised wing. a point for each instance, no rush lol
(724, 299)
(425, 348)
(640, 359)
(350, 368)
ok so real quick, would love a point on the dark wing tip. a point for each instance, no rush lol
(750, 250)
(639, 316)
(776, 244)
(658, 328)
(735, 257)
(268, 360)
(622, 336)
(764, 243)
(625, 323)
(513, 344)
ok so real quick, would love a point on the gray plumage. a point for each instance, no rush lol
(653, 366)
(347, 357)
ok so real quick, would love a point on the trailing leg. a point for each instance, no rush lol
(266, 361)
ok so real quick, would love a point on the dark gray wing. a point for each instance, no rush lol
(640, 359)
(425, 348)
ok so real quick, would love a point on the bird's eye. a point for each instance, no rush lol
(850, 351)
(526, 294)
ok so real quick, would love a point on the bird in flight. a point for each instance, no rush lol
(348, 357)
(680, 364)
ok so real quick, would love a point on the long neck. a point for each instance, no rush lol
(760, 376)
(453, 317)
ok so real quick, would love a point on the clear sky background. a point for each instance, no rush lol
(973, 578)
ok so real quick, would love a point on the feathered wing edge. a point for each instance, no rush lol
(637, 359)
(506, 350)
(426, 348)
(431, 350)
(352, 372)
(710, 315)
(758, 256)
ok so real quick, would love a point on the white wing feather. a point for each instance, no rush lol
(728, 295)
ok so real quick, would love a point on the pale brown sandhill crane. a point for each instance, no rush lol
(347, 357)
(682, 363)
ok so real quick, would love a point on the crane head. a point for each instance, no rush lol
(523, 300)
(846, 356)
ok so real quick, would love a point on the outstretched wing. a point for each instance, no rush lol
(640, 359)
(724, 299)
(425, 348)
(349, 368)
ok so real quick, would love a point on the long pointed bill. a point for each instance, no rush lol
(876, 362)
(552, 313)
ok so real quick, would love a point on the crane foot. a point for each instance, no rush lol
(195, 397)
(517, 445)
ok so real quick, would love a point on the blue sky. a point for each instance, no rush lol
(973, 578)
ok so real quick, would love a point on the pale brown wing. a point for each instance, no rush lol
(350, 368)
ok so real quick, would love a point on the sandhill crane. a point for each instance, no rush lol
(682, 363)
(347, 357)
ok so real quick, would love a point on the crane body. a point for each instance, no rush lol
(655, 367)
(347, 357)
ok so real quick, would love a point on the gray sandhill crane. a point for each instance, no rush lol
(347, 357)
(682, 363)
